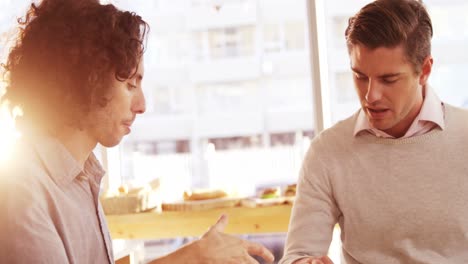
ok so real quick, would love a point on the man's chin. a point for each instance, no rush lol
(380, 125)
(110, 142)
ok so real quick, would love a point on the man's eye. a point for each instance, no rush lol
(389, 81)
(131, 86)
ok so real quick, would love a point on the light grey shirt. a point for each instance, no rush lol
(50, 210)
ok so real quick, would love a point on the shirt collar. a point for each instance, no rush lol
(431, 111)
(61, 165)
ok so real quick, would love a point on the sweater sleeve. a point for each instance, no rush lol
(314, 213)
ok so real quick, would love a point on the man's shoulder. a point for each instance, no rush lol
(456, 111)
(456, 117)
(342, 130)
(335, 139)
(23, 171)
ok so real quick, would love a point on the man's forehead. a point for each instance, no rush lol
(381, 61)
(140, 69)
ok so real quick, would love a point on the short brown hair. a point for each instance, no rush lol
(390, 23)
(65, 56)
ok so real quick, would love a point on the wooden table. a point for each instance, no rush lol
(242, 220)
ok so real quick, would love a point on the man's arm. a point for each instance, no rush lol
(216, 247)
(314, 212)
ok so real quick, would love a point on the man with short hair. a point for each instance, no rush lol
(76, 72)
(393, 175)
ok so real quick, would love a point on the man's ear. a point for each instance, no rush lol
(426, 70)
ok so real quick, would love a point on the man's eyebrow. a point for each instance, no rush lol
(389, 75)
(356, 71)
(383, 76)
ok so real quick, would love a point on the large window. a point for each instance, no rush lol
(239, 71)
(229, 96)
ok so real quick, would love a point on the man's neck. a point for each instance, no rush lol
(77, 142)
(400, 129)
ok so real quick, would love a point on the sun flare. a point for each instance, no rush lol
(8, 133)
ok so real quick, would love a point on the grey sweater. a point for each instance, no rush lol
(396, 200)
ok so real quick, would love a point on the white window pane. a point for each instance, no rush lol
(230, 81)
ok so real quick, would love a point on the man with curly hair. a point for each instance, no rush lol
(76, 72)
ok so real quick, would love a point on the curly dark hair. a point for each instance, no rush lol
(65, 56)
(389, 23)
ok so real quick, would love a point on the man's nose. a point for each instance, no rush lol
(374, 91)
(139, 104)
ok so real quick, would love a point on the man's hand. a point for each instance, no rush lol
(218, 247)
(314, 260)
